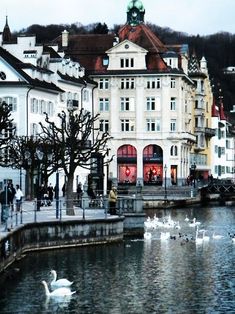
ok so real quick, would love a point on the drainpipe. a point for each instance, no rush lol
(27, 111)
(92, 111)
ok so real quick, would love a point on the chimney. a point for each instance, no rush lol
(65, 38)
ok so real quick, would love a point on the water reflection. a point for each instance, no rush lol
(137, 276)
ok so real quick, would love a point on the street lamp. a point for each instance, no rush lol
(165, 195)
(193, 170)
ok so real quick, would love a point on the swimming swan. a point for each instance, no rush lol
(60, 282)
(59, 292)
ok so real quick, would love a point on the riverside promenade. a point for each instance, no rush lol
(29, 214)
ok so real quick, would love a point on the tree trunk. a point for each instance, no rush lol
(69, 196)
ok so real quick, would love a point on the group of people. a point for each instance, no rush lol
(10, 196)
(45, 195)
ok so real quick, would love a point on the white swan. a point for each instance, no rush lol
(198, 240)
(186, 218)
(217, 236)
(60, 282)
(59, 292)
(194, 223)
(205, 238)
(147, 235)
(165, 235)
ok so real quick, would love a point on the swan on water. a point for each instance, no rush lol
(198, 239)
(147, 235)
(217, 236)
(194, 223)
(59, 292)
(165, 235)
(186, 218)
(60, 282)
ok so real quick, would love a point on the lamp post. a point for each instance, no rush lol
(193, 170)
(165, 195)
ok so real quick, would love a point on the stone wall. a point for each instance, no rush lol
(58, 234)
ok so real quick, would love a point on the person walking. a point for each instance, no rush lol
(113, 200)
(19, 197)
(5, 197)
(79, 194)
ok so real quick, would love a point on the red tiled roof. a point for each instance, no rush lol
(142, 36)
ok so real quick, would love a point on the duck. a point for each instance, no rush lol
(59, 292)
(60, 282)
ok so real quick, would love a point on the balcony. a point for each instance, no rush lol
(182, 136)
(199, 129)
(199, 111)
(209, 132)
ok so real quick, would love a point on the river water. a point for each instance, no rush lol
(137, 276)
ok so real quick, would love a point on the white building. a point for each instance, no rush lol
(35, 79)
(144, 97)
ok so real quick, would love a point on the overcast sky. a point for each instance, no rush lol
(194, 17)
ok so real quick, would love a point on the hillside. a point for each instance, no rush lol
(218, 49)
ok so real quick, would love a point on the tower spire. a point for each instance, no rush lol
(6, 34)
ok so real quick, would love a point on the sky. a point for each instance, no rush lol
(203, 17)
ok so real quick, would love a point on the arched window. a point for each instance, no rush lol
(174, 150)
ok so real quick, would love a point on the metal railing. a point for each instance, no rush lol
(86, 208)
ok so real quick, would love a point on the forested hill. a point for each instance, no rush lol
(218, 49)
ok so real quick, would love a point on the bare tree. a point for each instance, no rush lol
(7, 128)
(33, 155)
(74, 140)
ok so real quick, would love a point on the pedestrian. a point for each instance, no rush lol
(12, 192)
(113, 200)
(79, 194)
(40, 196)
(19, 197)
(50, 192)
(5, 197)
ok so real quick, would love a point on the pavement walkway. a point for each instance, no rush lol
(48, 213)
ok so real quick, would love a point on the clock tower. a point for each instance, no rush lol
(135, 13)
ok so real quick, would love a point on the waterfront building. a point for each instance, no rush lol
(200, 157)
(222, 145)
(144, 97)
(35, 79)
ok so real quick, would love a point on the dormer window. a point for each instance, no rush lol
(127, 62)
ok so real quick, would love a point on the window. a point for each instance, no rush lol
(153, 83)
(33, 129)
(173, 125)
(174, 150)
(50, 108)
(127, 125)
(42, 106)
(172, 82)
(173, 103)
(104, 104)
(128, 83)
(85, 95)
(104, 125)
(34, 105)
(127, 62)
(125, 104)
(153, 125)
(151, 104)
(11, 102)
(104, 83)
